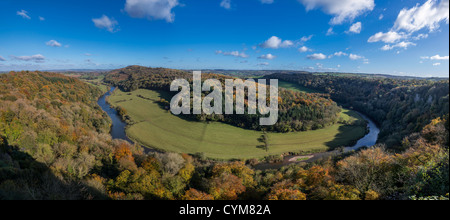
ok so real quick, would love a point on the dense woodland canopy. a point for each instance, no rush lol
(54, 144)
(298, 111)
(399, 106)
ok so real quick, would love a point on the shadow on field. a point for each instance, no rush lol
(346, 137)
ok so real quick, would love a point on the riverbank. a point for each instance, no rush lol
(156, 128)
(369, 140)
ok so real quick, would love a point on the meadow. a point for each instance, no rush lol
(154, 127)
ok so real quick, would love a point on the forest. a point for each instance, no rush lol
(399, 106)
(55, 144)
(298, 111)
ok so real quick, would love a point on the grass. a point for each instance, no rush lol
(98, 83)
(296, 87)
(157, 128)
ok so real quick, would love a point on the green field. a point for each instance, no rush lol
(157, 128)
(295, 87)
(98, 83)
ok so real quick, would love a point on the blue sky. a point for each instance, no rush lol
(401, 37)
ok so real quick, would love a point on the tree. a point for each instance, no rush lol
(193, 194)
(286, 194)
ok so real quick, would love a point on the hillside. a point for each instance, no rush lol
(399, 106)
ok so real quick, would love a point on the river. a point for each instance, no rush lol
(119, 126)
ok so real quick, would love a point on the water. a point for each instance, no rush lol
(370, 139)
(118, 126)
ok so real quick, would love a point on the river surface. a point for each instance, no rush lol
(119, 126)
(370, 139)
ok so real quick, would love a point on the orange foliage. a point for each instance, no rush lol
(286, 194)
(196, 195)
(123, 152)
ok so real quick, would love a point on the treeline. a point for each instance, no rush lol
(297, 111)
(399, 106)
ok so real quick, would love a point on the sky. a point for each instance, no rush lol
(397, 37)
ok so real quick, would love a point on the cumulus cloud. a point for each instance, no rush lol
(267, 57)
(106, 23)
(389, 37)
(38, 58)
(317, 56)
(420, 17)
(275, 43)
(152, 9)
(429, 15)
(225, 4)
(343, 10)
(41, 18)
(304, 49)
(356, 28)
(53, 43)
(436, 64)
(24, 14)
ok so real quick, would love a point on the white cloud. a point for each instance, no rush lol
(343, 10)
(420, 36)
(356, 28)
(23, 14)
(306, 38)
(41, 18)
(233, 53)
(267, 1)
(340, 53)
(389, 37)
(152, 9)
(317, 56)
(267, 57)
(275, 43)
(304, 49)
(436, 64)
(437, 57)
(38, 58)
(330, 31)
(53, 43)
(225, 4)
(106, 23)
(2, 59)
(403, 44)
(355, 57)
(381, 17)
(263, 64)
(428, 15)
